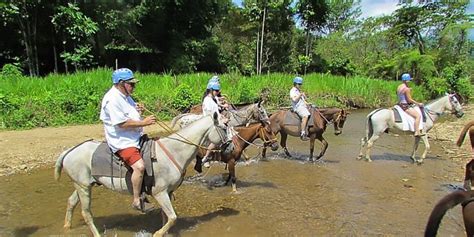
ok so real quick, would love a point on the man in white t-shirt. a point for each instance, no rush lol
(123, 126)
(299, 105)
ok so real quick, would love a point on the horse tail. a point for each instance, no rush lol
(177, 118)
(370, 129)
(59, 165)
(449, 201)
(463, 133)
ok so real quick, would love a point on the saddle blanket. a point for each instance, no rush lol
(106, 164)
(407, 121)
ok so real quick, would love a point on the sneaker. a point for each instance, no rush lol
(207, 164)
(304, 137)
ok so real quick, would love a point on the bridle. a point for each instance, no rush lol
(430, 112)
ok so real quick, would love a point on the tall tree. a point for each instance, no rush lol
(25, 14)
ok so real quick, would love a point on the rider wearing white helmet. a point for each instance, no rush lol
(299, 105)
(407, 103)
(123, 126)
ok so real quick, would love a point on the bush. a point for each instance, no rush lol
(184, 97)
(10, 71)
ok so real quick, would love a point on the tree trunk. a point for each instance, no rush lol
(257, 51)
(261, 42)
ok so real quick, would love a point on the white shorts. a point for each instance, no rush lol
(302, 111)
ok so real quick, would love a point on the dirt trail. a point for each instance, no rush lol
(22, 151)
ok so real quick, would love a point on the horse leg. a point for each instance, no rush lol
(415, 147)
(324, 148)
(311, 149)
(232, 177)
(284, 136)
(427, 148)
(264, 152)
(84, 194)
(370, 144)
(163, 199)
(72, 202)
(363, 142)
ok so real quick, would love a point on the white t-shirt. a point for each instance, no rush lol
(295, 102)
(117, 108)
(209, 106)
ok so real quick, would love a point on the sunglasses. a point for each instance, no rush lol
(132, 84)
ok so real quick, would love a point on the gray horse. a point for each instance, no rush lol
(378, 121)
(169, 171)
(251, 113)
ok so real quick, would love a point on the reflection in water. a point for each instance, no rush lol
(338, 196)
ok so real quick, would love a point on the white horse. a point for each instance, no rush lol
(168, 171)
(251, 113)
(378, 121)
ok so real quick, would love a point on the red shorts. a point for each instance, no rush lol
(129, 155)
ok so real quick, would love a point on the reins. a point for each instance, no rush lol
(170, 130)
(262, 136)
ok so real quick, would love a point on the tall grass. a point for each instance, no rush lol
(75, 99)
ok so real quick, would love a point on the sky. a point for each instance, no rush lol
(377, 8)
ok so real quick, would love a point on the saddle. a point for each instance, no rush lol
(400, 116)
(292, 118)
(106, 164)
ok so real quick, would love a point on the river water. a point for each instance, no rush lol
(339, 196)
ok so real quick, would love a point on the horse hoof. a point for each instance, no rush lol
(67, 226)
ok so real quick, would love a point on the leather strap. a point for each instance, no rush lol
(167, 152)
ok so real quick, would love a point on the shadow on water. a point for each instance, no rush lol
(152, 222)
(398, 157)
(186, 223)
(26, 230)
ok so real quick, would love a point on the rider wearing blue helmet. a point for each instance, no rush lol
(299, 105)
(407, 103)
(123, 126)
(209, 107)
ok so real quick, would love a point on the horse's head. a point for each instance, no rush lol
(454, 105)
(217, 133)
(339, 119)
(259, 113)
(268, 137)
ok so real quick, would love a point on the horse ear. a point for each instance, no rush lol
(259, 103)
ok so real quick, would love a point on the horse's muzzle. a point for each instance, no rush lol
(274, 146)
(459, 114)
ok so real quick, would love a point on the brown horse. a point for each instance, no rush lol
(244, 138)
(463, 134)
(322, 117)
(464, 198)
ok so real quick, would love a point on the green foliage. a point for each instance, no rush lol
(75, 99)
(435, 86)
(10, 71)
(76, 29)
(183, 97)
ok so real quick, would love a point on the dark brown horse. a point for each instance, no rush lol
(244, 138)
(322, 117)
(464, 198)
(469, 176)
(466, 128)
